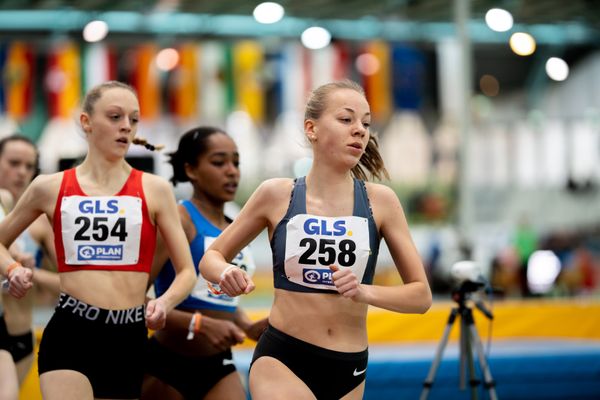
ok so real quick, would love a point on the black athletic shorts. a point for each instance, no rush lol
(107, 346)
(193, 377)
(329, 374)
(19, 346)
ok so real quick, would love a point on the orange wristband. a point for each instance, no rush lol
(197, 322)
(11, 267)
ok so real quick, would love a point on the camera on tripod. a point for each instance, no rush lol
(469, 281)
(468, 275)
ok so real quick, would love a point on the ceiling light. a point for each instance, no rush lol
(557, 69)
(498, 20)
(489, 85)
(315, 37)
(367, 64)
(167, 59)
(268, 12)
(522, 44)
(95, 31)
(543, 268)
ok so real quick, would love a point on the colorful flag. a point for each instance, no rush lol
(146, 81)
(63, 80)
(328, 64)
(293, 78)
(248, 61)
(183, 83)
(18, 79)
(99, 65)
(377, 80)
(213, 93)
(408, 72)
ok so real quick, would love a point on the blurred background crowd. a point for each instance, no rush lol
(488, 112)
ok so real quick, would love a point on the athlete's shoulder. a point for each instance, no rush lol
(276, 187)
(49, 178)
(155, 182)
(381, 194)
(43, 190)
(45, 182)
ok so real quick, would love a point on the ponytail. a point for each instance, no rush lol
(372, 161)
(143, 142)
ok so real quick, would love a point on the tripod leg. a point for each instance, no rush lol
(466, 353)
(438, 356)
(487, 374)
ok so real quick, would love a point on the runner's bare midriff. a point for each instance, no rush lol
(111, 289)
(326, 320)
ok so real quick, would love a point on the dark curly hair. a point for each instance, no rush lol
(192, 145)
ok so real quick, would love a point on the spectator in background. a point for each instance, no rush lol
(525, 242)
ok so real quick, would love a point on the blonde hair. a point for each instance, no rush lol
(371, 159)
(95, 93)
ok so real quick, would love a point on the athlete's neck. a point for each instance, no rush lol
(102, 173)
(213, 211)
(328, 183)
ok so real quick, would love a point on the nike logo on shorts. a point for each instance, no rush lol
(357, 373)
(227, 361)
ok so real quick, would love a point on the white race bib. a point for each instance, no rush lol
(101, 230)
(313, 243)
(211, 292)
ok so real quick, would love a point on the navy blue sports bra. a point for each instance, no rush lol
(304, 245)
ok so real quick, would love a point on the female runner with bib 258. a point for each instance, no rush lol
(104, 215)
(324, 231)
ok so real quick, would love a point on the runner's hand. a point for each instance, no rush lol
(235, 281)
(20, 280)
(346, 283)
(156, 314)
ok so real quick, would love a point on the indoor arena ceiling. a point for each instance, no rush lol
(552, 21)
(525, 11)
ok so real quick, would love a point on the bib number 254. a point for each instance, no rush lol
(99, 229)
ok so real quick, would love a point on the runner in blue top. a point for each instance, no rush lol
(325, 232)
(191, 357)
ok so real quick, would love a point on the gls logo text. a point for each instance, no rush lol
(96, 207)
(314, 226)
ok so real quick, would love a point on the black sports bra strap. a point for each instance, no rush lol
(298, 198)
(361, 200)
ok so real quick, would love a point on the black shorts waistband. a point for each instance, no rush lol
(283, 337)
(72, 305)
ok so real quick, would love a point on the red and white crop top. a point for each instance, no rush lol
(103, 232)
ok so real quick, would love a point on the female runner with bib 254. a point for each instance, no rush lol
(105, 215)
(324, 231)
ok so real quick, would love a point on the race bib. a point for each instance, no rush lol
(101, 230)
(314, 243)
(211, 292)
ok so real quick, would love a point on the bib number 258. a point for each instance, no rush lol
(327, 252)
